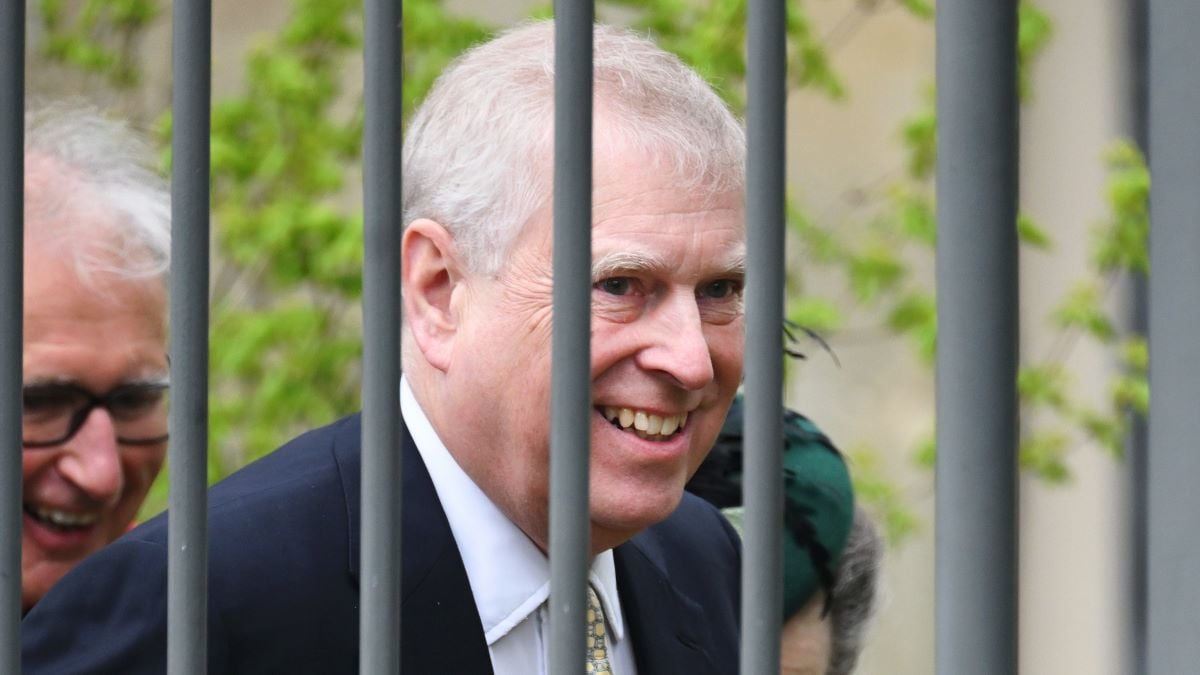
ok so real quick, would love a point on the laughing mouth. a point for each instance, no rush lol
(647, 426)
(63, 521)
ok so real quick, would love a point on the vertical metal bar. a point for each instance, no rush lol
(12, 197)
(379, 618)
(762, 566)
(976, 605)
(1174, 501)
(766, 131)
(571, 401)
(187, 526)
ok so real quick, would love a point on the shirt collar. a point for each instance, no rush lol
(508, 592)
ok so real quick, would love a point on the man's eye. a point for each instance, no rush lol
(616, 286)
(47, 400)
(134, 401)
(721, 289)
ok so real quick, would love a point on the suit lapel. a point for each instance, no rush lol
(667, 627)
(441, 629)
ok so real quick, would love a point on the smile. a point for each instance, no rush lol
(645, 425)
(61, 520)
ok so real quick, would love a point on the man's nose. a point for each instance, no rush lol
(92, 460)
(678, 346)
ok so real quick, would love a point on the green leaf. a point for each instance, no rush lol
(919, 133)
(1122, 240)
(1081, 309)
(1135, 353)
(1107, 430)
(1043, 453)
(1034, 29)
(1029, 232)
(817, 314)
(916, 315)
(1043, 386)
(874, 272)
(1132, 392)
(925, 454)
(875, 489)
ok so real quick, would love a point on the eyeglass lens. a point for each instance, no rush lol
(53, 412)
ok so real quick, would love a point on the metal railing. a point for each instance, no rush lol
(977, 280)
(976, 547)
(187, 454)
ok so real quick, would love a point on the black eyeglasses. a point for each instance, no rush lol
(54, 412)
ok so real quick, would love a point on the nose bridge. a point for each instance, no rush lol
(92, 460)
(679, 345)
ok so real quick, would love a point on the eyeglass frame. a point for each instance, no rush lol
(93, 401)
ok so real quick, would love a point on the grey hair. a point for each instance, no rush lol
(94, 165)
(854, 593)
(477, 153)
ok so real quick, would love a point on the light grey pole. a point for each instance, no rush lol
(1174, 462)
(379, 617)
(12, 196)
(762, 561)
(571, 400)
(976, 549)
(187, 525)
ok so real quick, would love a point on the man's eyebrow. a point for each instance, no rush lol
(626, 261)
(735, 264)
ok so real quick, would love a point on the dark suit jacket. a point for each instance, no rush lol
(284, 587)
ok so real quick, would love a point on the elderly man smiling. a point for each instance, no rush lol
(94, 423)
(666, 354)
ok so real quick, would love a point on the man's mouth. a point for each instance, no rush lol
(648, 426)
(64, 521)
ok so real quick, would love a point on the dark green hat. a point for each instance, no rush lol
(818, 500)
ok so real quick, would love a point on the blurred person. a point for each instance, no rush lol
(831, 550)
(666, 359)
(94, 429)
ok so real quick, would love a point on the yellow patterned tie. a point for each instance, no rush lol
(597, 650)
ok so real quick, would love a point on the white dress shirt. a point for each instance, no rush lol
(509, 574)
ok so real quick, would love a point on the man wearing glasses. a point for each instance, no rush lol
(94, 431)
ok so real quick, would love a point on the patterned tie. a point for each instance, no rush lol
(597, 651)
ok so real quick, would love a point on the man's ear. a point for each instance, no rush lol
(431, 271)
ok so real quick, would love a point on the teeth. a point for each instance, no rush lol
(63, 518)
(644, 424)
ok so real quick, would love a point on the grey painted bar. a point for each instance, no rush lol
(1174, 463)
(12, 196)
(762, 561)
(187, 525)
(379, 616)
(976, 547)
(570, 380)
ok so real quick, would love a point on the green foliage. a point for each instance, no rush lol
(1121, 242)
(1043, 453)
(1081, 309)
(816, 314)
(875, 489)
(1034, 30)
(96, 36)
(1032, 234)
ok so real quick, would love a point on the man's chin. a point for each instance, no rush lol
(623, 519)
